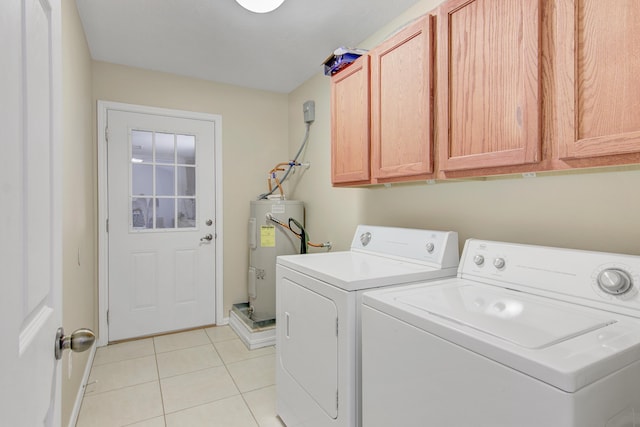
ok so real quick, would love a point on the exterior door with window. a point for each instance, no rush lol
(161, 225)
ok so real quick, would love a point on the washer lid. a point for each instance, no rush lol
(528, 322)
(565, 345)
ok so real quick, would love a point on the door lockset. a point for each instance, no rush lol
(80, 340)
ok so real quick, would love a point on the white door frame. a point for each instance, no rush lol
(103, 237)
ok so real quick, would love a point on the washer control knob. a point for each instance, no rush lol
(478, 259)
(614, 281)
(498, 263)
(430, 247)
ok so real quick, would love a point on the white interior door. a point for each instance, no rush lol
(30, 223)
(161, 203)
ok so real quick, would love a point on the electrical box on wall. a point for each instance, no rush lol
(309, 109)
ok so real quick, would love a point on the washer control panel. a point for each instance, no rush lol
(616, 282)
(604, 280)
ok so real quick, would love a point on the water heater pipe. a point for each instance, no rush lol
(299, 235)
(291, 164)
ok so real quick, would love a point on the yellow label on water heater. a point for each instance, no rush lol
(267, 236)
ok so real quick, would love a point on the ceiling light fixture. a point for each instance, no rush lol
(260, 6)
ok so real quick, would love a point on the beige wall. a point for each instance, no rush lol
(330, 212)
(254, 139)
(595, 211)
(79, 188)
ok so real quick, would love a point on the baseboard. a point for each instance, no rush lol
(83, 384)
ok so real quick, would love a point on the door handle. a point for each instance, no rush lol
(287, 317)
(208, 237)
(80, 340)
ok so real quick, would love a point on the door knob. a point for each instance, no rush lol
(80, 340)
(208, 237)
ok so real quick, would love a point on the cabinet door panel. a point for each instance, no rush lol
(401, 107)
(598, 85)
(488, 83)
(350, 124)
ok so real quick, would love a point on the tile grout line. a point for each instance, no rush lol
(122, 360)
(183, 348)
(241, 393)
(234, 382)
(159, 379)
(93, 394)
(98, 393)
(250, 358)
(155, 354)
(88, 392)
(219, 366)
(191, 372)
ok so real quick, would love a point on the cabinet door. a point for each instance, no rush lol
(598, 88)
(401, 107)
(350, 124)
(488, 83)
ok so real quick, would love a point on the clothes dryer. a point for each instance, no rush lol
(318, 300)
(524, 336)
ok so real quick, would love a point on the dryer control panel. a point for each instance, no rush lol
(599, 279)
(438, 249)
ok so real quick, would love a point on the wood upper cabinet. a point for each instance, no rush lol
(401, 103)
(488, 84)
(598, 78)
(350, 97)
(521, 86)
(381, 111)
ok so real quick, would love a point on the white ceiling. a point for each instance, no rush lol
(220, 41)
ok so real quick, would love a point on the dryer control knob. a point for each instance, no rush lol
(478, 259)
(498, 263)
(430, 247)
(614, 281)
(365, 238)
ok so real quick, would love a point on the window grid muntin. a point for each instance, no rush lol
(154, 199)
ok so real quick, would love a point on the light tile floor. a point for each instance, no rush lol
(204, 377)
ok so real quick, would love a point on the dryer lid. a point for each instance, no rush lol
(529, 322)
(353, 271)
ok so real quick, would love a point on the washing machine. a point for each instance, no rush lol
(318, 300)
(524, 336)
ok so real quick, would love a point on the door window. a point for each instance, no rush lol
(163, 181)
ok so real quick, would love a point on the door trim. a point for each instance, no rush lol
(103, 238)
